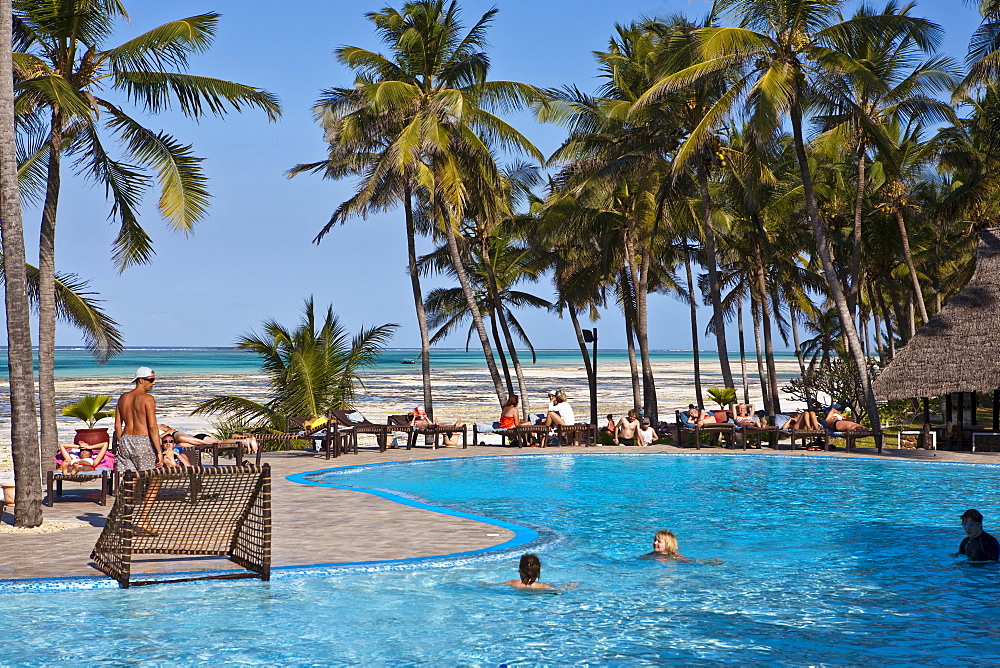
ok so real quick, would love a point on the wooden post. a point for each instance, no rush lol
(996, 410)
(926, 431)
(975, 406)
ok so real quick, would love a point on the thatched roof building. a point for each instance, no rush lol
(958, 350)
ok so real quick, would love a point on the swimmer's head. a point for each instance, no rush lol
(665, 542)
(972, 522)
(530, 568)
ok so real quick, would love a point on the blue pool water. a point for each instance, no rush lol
(825, 561)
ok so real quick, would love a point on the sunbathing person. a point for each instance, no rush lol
(173, 454)
(699, 417)
(249, 443)
(530, 570)
(628, 429)
(803, 421)
(82, 458)
(744, 416)
(610, 427)
(837, 421)
(418, 418)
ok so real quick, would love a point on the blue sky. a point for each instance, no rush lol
(253, 258)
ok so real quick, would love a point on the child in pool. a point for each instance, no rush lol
(530, 570)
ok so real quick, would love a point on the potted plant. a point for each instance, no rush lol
(90, 409)
(724, 397)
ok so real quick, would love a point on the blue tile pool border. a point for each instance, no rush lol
(539, 540)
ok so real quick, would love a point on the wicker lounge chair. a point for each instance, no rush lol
(194, 511)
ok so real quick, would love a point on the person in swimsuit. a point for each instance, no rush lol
(699, 417)
(249, 444)
(744, 416)
(136, 429)
(804, 421)
(977, 544)
(628, 428)
(82, 459)
(173, 453)
(530, 570)
(610, 427)
(418, 418)
(837, 421)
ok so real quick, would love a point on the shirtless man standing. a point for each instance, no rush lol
(628, 428)
(136, 429)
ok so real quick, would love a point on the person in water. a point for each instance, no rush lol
(977, 544)
(665, 547)
(530, 570)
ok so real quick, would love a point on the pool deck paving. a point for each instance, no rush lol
(320, 525)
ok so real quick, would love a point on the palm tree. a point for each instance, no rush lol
(23, 422)
(63, 66)
(784, 47)
(433, 105)
(311, 369)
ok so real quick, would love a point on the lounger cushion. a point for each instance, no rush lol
(355, 417)
(780, 420)
(487, 427)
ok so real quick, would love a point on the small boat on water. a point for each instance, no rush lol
(408, 361)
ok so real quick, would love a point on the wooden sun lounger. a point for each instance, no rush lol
(716, 430)
(364, 426)
(57, 478)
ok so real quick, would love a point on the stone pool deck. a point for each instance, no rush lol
(317, 525)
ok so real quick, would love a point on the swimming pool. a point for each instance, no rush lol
(826, 560)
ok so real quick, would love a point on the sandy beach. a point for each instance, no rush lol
(459, 393)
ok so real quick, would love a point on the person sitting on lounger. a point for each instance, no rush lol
(173, 454)
(698, 417)
(418, 418)
(610, 427)
(509, 418)
(628, 428)
(803, 421)
(181, 438)
(560, 412)
(837, 421)
(76, 460)
(530, 570)
(744, 416)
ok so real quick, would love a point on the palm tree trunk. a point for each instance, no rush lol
(765, 394)
(887, 318)
(500, 351)
(743, 350)
(23, 424)
(628, 310)
(47, 293)
(854, 292)
(418, 302)
(522, 386)
(918, 295)
(641, 329)
(793, 316)
(825, 253)
(470, 298)
(694, 324)
(714, 291)
(591, 379)
(765, 303)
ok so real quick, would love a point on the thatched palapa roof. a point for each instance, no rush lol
(958, 350)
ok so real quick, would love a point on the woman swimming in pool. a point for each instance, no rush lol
(665, 547)
(530, 569)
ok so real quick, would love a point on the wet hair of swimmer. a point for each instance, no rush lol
(669, 540)
(530, 568)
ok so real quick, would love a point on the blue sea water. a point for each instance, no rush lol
(78, 363)
(824, 561)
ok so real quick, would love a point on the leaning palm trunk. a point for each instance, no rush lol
(639, 281)
(23, 424)
(825, 253)
(418, 302)
(505, 326)
(714, 291)
(854, 291)
(47, 292)
(694, 326)
(470, 298)
(793, 317)
(918, 295)
(628, 310)
(587, 363)
(500, 351)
